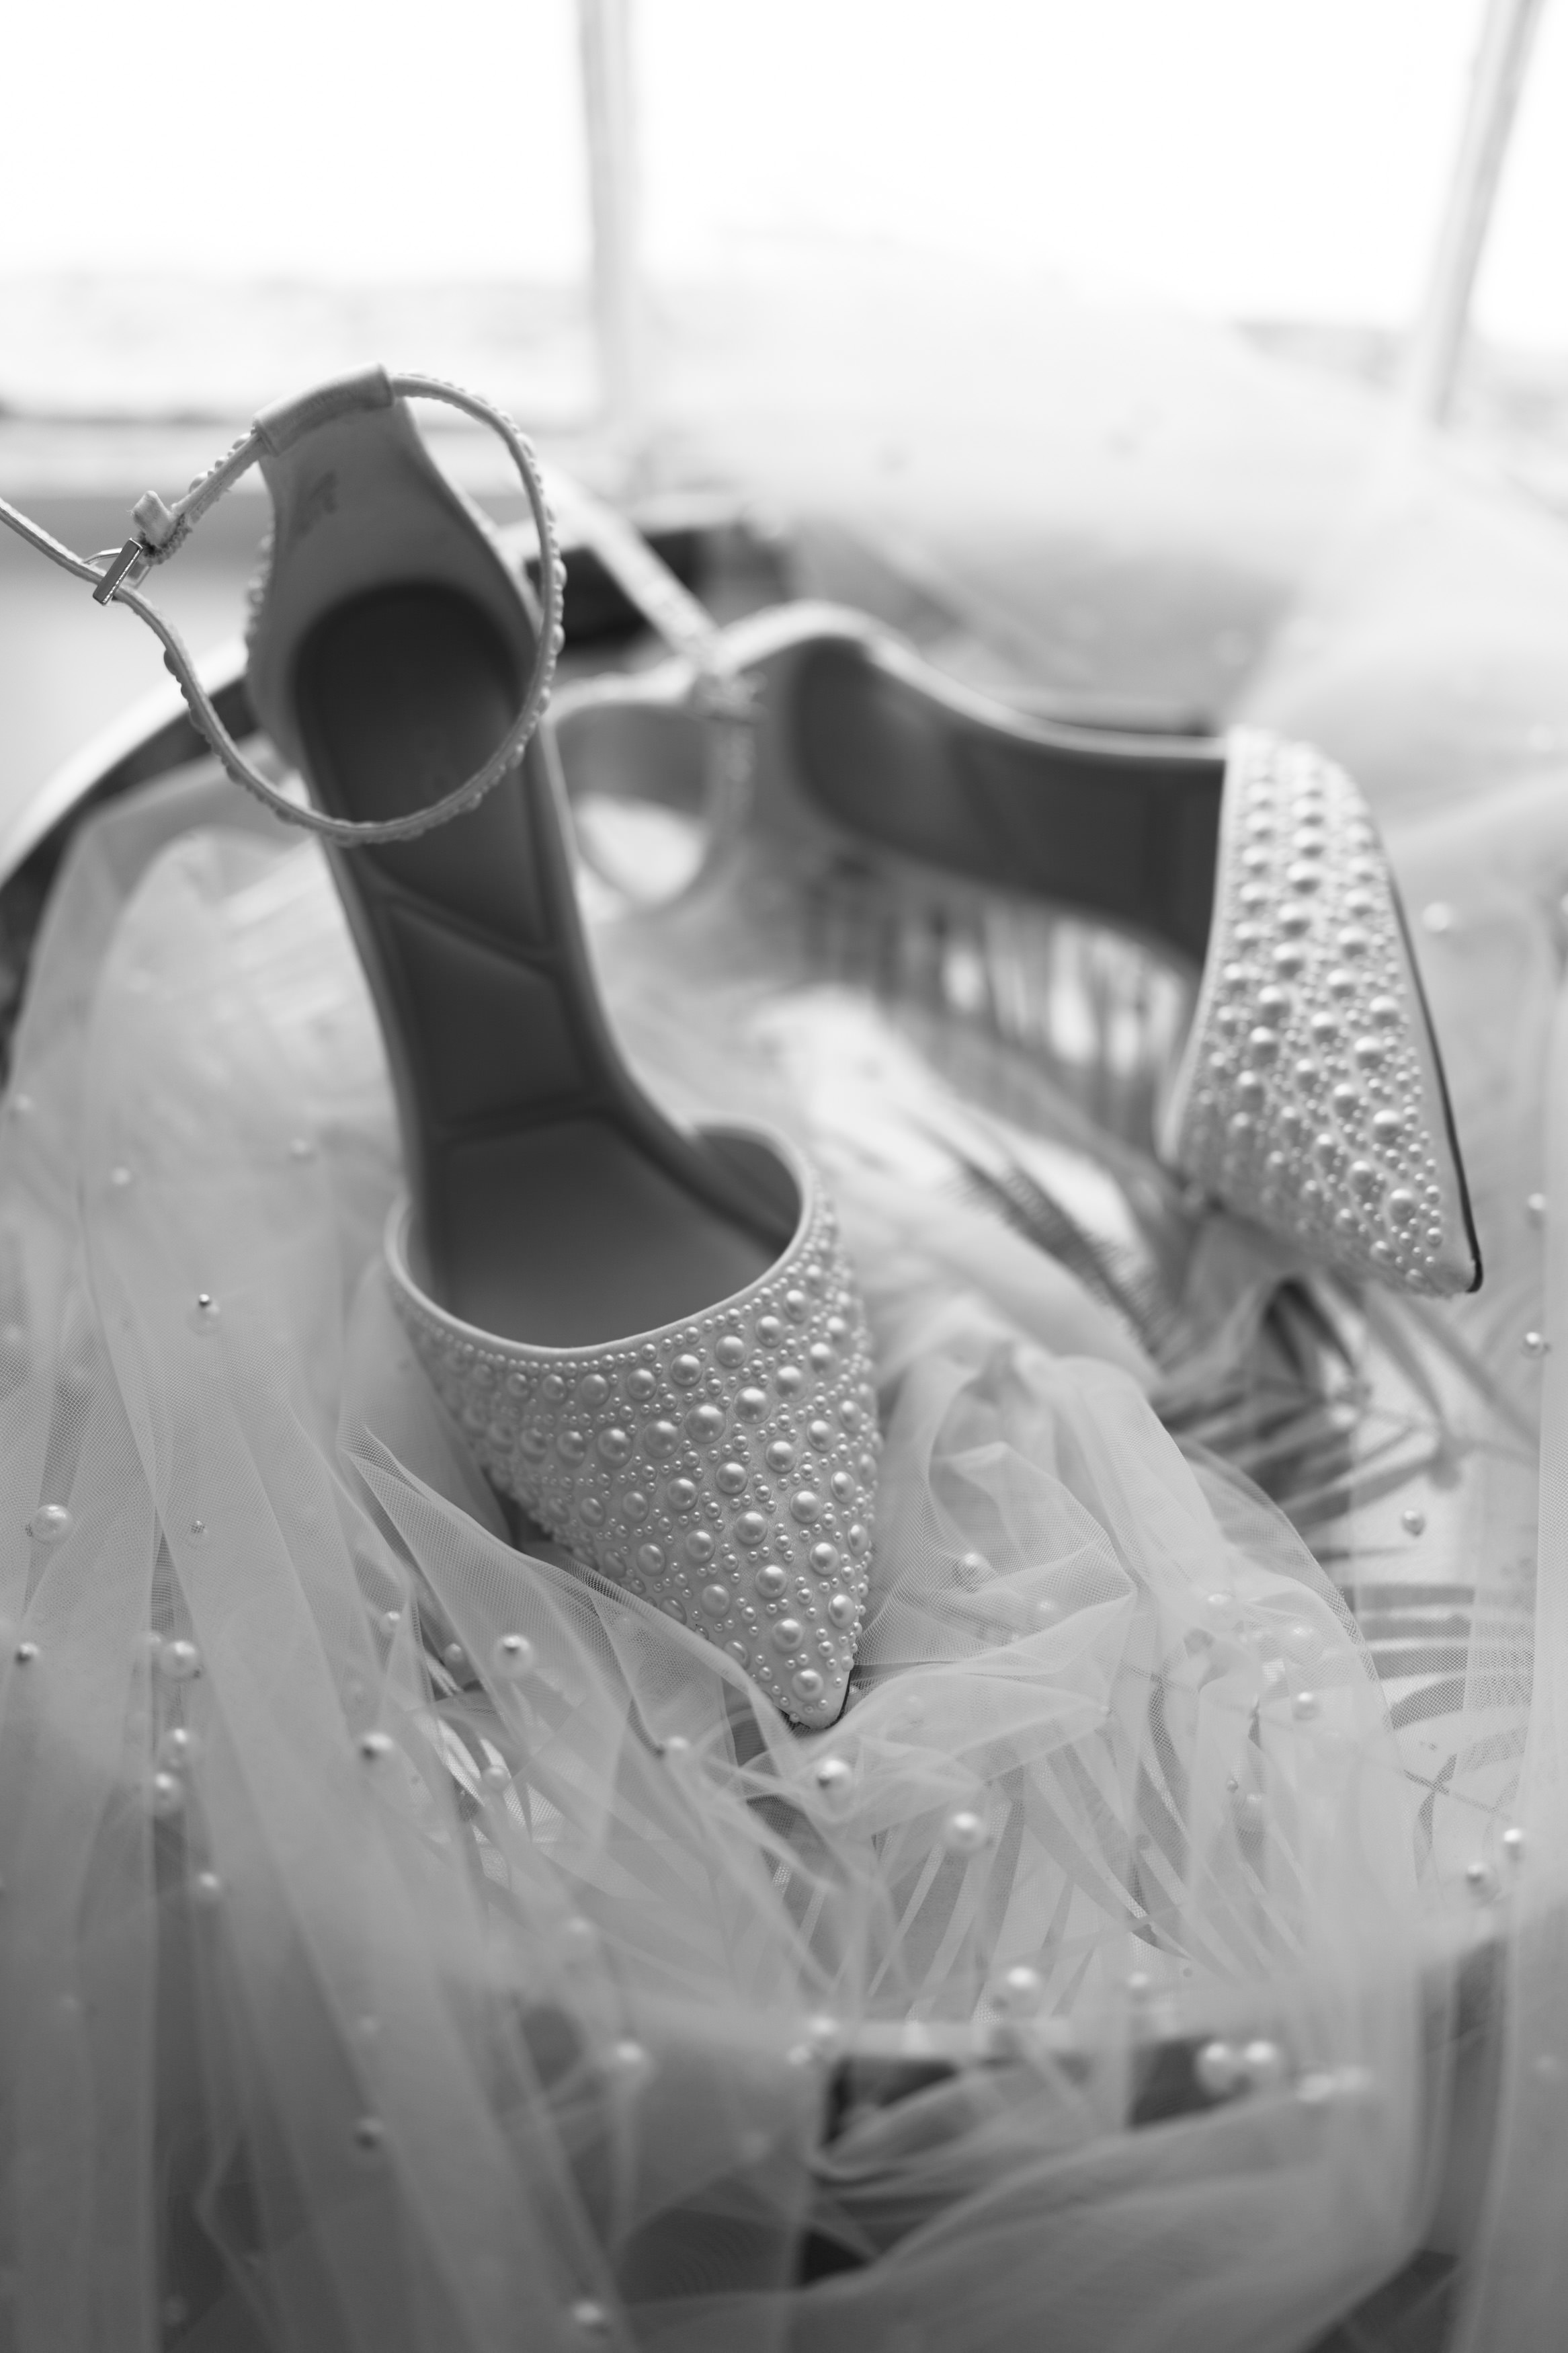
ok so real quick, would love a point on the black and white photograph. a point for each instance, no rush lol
(783, 1177)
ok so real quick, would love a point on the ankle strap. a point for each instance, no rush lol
(162, 530)
(720, 693)
(649, 584)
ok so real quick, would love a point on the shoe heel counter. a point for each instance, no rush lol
(357, 503)
(289, 421)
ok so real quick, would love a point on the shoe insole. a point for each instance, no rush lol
(1127, 832)
(547, 1213)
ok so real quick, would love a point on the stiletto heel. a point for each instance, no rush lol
(651, 1338)
(1308, 1096)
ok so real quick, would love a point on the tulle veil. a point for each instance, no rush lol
(1102, 1979)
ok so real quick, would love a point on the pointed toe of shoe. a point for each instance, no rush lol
(1309, 1097)
(722, 1468)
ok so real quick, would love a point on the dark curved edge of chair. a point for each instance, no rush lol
(1411, 2312)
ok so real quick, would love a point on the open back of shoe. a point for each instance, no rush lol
(555, 1205)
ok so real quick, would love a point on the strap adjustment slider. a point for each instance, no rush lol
(131, 561)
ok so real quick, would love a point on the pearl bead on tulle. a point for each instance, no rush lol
(513, 1657)
(1019, 1991)
(630, 2060)
(964, 1832)
(1219, 2071)
(1264, 2062)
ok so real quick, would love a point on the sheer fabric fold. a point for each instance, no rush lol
(372, 1981)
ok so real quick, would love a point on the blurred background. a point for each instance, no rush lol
(1164, 360)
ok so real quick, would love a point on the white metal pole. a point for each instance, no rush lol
(610, 114)
(1437, 344)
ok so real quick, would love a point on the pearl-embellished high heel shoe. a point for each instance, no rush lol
(1308, 1096)
(650, 1336)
